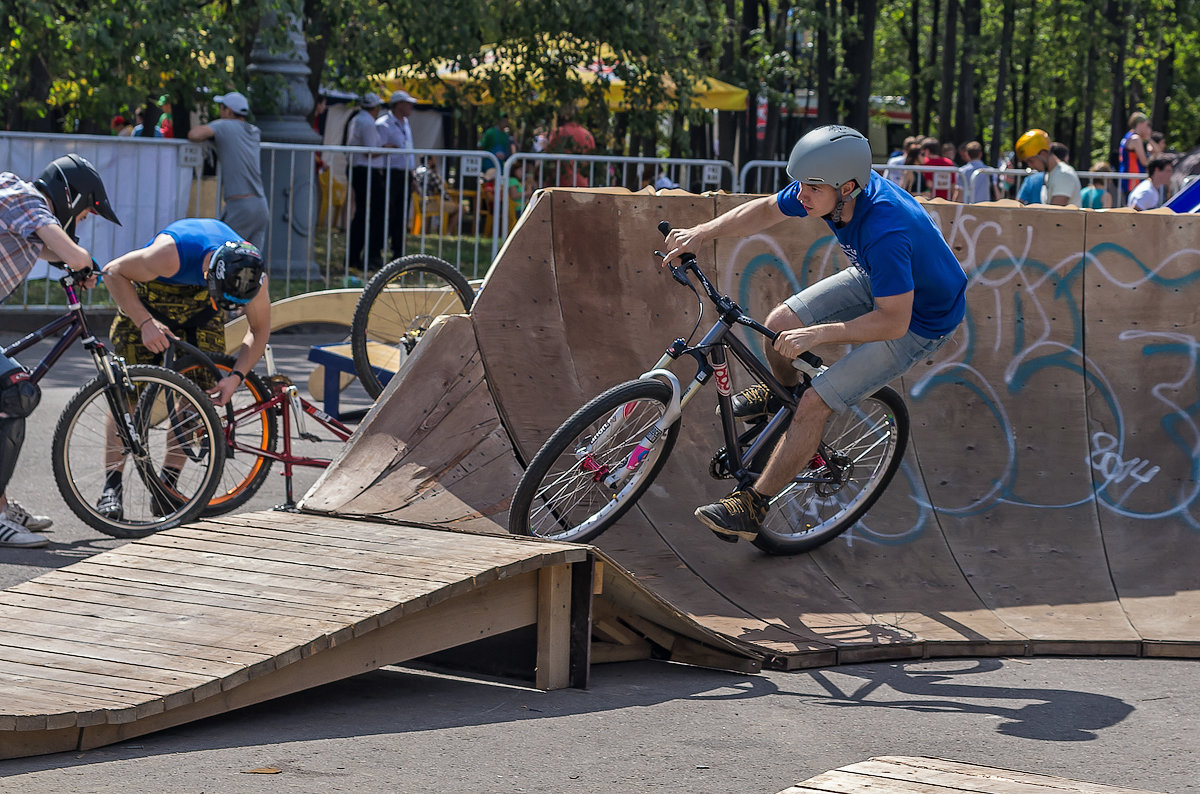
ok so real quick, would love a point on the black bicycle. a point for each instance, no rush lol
(599, 462)
(150, 420)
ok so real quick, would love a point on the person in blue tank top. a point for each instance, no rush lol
(179, 286)
(899, 301)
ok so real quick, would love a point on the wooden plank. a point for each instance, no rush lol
(904, 775)
(499, 607)
(553, 628)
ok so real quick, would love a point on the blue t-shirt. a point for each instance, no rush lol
(895, 243)
(195, 238)
(1031, 188)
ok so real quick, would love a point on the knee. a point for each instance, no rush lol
(18, 394)
(813, 406)
(782, 318)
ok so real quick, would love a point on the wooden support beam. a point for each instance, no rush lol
(554, 628)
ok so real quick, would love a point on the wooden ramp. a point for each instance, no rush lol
(905, 775)
(217, 615)
(1048, 502)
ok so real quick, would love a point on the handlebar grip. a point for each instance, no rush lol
(812, 359)
(664, 227)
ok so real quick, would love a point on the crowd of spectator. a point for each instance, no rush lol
(925, 166)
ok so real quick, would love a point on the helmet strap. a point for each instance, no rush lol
(836, 216)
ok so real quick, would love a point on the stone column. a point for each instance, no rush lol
(282, 101)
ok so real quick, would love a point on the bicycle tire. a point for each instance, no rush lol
(872, 436)
(243, 473)
(581, 506)
(392, 313)
(164, 407)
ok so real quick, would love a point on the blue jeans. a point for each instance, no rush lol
(869, 366)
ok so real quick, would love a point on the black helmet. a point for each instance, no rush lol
(235, 274)
(73, 185)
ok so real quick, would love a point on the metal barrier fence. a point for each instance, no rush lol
(445, 202)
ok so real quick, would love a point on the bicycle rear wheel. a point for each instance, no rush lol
(865, 446)
(562, 494)
(175, 426)
(253, 428)
(397, 307)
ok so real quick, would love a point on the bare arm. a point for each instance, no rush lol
(888, 320)
(743, 221)
(160, 258)
(60, 246)
(254, 343)
(201, 133)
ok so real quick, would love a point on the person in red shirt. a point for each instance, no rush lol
(571, 138)
(941, 183)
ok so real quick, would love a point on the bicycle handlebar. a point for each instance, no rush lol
(687, 261)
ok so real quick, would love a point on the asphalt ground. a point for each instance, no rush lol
(643, 726)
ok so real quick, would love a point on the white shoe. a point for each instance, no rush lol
(17, 537)
(19, 515)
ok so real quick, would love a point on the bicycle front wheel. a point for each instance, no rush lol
(244, 423)
(564, 495)
(397, 307)
(166, 443)
(864, 448)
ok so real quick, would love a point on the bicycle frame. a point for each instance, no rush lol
(286, 400)
(711, 360)
(72, 326)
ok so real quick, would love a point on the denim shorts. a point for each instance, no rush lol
(869, 366)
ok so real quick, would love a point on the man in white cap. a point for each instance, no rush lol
(238, 144)
(366, 180)
(395, 133)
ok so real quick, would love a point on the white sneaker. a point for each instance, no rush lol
(17, 537)
(19, 515)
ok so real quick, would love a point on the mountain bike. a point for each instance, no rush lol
(250, 426)
(397, 306)
(147, 419)
(599, 462)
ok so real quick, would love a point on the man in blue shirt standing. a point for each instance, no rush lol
(900, 301)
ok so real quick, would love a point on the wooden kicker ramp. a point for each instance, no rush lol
(1047, 503)
(225, 613)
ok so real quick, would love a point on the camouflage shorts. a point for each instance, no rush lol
(185, 309)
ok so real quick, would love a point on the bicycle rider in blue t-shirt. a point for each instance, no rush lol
(900, 302)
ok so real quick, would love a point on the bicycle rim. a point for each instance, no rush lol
(176, 426)
(244, 472)
(867, 443)
(563, 495)
(397, 307)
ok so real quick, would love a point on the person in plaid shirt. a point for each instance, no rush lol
(37, 219)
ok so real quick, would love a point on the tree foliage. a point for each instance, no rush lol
(968, 69)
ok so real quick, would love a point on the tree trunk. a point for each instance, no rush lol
(1006, 43)
(1114, 14)
(824, 60)
(1085, 157)
(934, 39)
(949, 51)
(860, 50)
(965, 115)
(914, 66)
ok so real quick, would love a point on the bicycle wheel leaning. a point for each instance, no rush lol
(171, 444)
(244, 472)
(397, 307)
(865, 447)
(563, 494)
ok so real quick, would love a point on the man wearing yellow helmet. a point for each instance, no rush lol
(1061, 184)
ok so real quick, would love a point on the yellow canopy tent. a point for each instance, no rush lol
(707, 92)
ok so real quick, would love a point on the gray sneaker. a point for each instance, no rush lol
(16, 536)
(19, 515)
